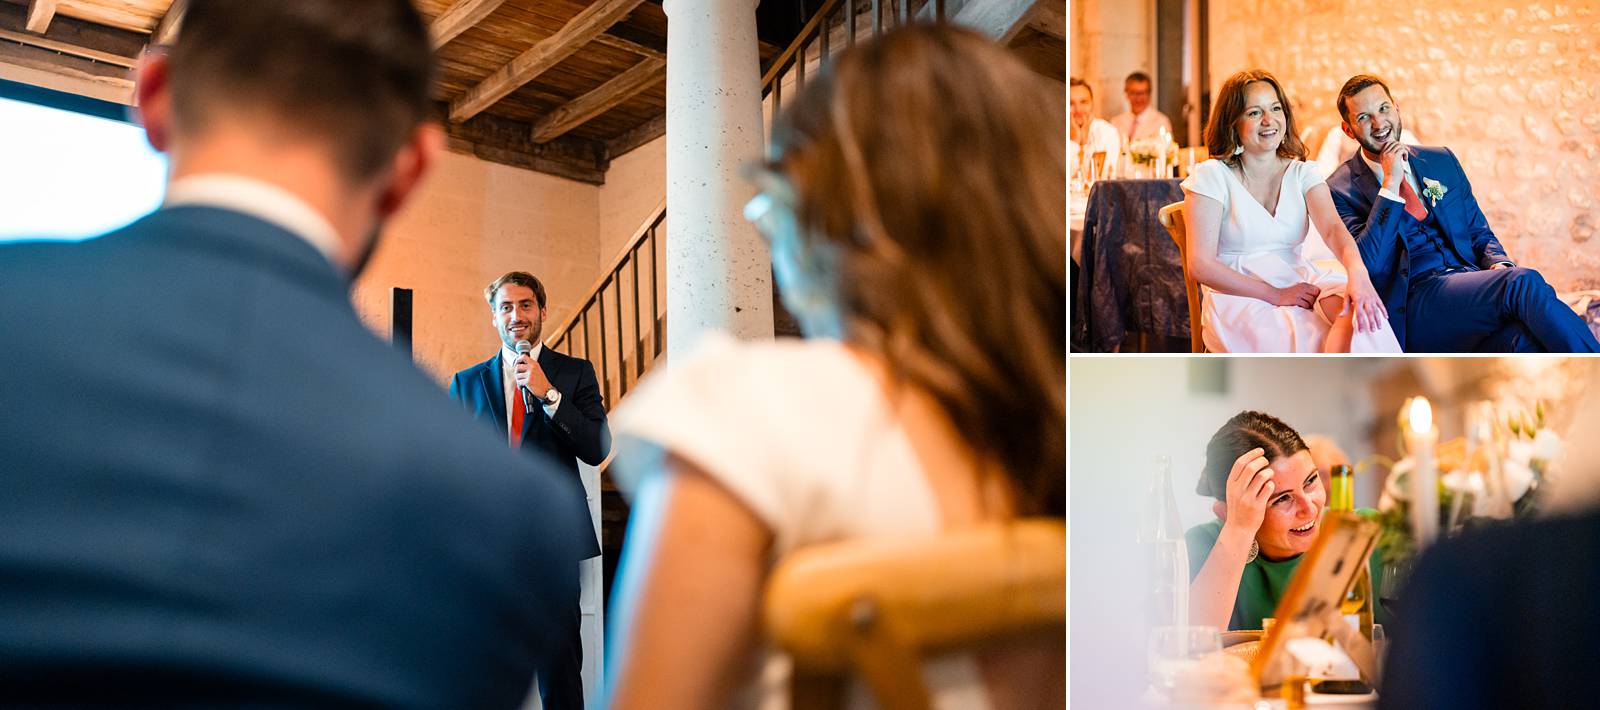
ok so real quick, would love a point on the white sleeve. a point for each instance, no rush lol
(712, 409)
(1310, 175)
(1208, 179)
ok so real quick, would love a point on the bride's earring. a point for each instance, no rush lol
(1255, 550)
(1238, 150)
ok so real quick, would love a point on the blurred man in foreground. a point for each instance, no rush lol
(217, 486)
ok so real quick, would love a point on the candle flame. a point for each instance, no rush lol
(1421, 415)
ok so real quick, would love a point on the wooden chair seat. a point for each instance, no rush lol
(876, 608)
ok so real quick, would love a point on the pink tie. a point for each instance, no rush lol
(1133, 128)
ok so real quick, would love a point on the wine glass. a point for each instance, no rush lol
(1395, 576)
(1173, 649)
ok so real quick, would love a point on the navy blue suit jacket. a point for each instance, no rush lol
(218, 488)
(1376, 221)
(578, 432)
(1502, 617)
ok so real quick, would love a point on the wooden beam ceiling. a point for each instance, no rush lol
(540, 57)
(508, 142)
(1051, 19)
(40, 12)
(73, 37)
(74, 75)
(637, 136)
(606, 39)
(167, 29)
(619, 89)
(460, 17)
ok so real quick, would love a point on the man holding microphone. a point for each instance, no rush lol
(546, 402)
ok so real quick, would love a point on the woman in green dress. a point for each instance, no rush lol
(1269, 503)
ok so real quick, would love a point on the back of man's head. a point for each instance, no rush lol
(351, 74)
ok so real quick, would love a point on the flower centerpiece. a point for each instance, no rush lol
(1147, 150)
(1493, 473)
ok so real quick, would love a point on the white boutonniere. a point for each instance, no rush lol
(1433, 190)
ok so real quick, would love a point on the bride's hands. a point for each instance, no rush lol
(1249, 487)
(1303, 295)
(1370, 313)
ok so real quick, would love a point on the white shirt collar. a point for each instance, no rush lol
(258, 199)
(1377, 169)
(508, 356)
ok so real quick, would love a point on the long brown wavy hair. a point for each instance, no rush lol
(1222, 138)
(929, 166)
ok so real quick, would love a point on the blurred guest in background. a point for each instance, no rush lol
(1088, 135)
(1269, 499)
(219, 488)
(1141, 120)
(916, 211)
(548, 404)
(1502, 617)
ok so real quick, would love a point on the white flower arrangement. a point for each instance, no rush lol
(1433, 190)
(1495, 478)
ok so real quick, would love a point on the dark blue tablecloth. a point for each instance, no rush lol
(1127, 293)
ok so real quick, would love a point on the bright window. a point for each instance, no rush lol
(70, 175)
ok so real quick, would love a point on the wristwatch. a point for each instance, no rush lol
(551, 398)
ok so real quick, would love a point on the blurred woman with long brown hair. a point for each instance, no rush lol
(916, 213)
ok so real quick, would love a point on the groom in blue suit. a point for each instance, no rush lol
(1444, 278)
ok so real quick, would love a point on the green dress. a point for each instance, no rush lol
(1264, 580)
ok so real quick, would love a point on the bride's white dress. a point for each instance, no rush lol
(1270, 247)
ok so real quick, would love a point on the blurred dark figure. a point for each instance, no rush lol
(216, 486)
(1503, 617)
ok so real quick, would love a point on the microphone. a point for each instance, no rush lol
(525, 348)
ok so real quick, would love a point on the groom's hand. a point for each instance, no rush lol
(1394, 158)
(1303, 295)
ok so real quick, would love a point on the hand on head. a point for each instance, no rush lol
(1249, 488)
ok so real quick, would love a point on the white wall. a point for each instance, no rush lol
(1111, 39)
(635, 184)
(472, 221)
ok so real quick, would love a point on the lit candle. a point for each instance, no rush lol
(1423, 486)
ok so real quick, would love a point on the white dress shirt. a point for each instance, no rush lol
(1150, 122)
(1410, 177)
(1102, 138)
(508, 381)
(262, 200)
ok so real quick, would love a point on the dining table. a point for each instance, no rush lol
(1127, 276)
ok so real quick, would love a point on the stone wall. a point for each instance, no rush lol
(1111, 39)
(1513, 89)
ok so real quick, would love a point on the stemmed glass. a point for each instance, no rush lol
(1174, 649)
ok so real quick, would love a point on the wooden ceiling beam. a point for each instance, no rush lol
(40, 13)
(606, 39)
(171, 22)
(637, 136)
(73, 37)
(620, 88)
(540, 57)
(1050, 18)
(73, 75)
(460, 17)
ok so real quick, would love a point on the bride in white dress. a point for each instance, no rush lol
(1246, 215)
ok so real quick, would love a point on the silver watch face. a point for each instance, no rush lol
(551, 395)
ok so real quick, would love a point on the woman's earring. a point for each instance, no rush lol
(1238, 150)
(1255, 550)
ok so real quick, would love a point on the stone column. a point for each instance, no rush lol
(719, 272)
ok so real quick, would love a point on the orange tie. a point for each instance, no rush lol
(516, 417)
(1413, 203)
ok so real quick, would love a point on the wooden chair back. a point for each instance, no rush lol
(1171, 217)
